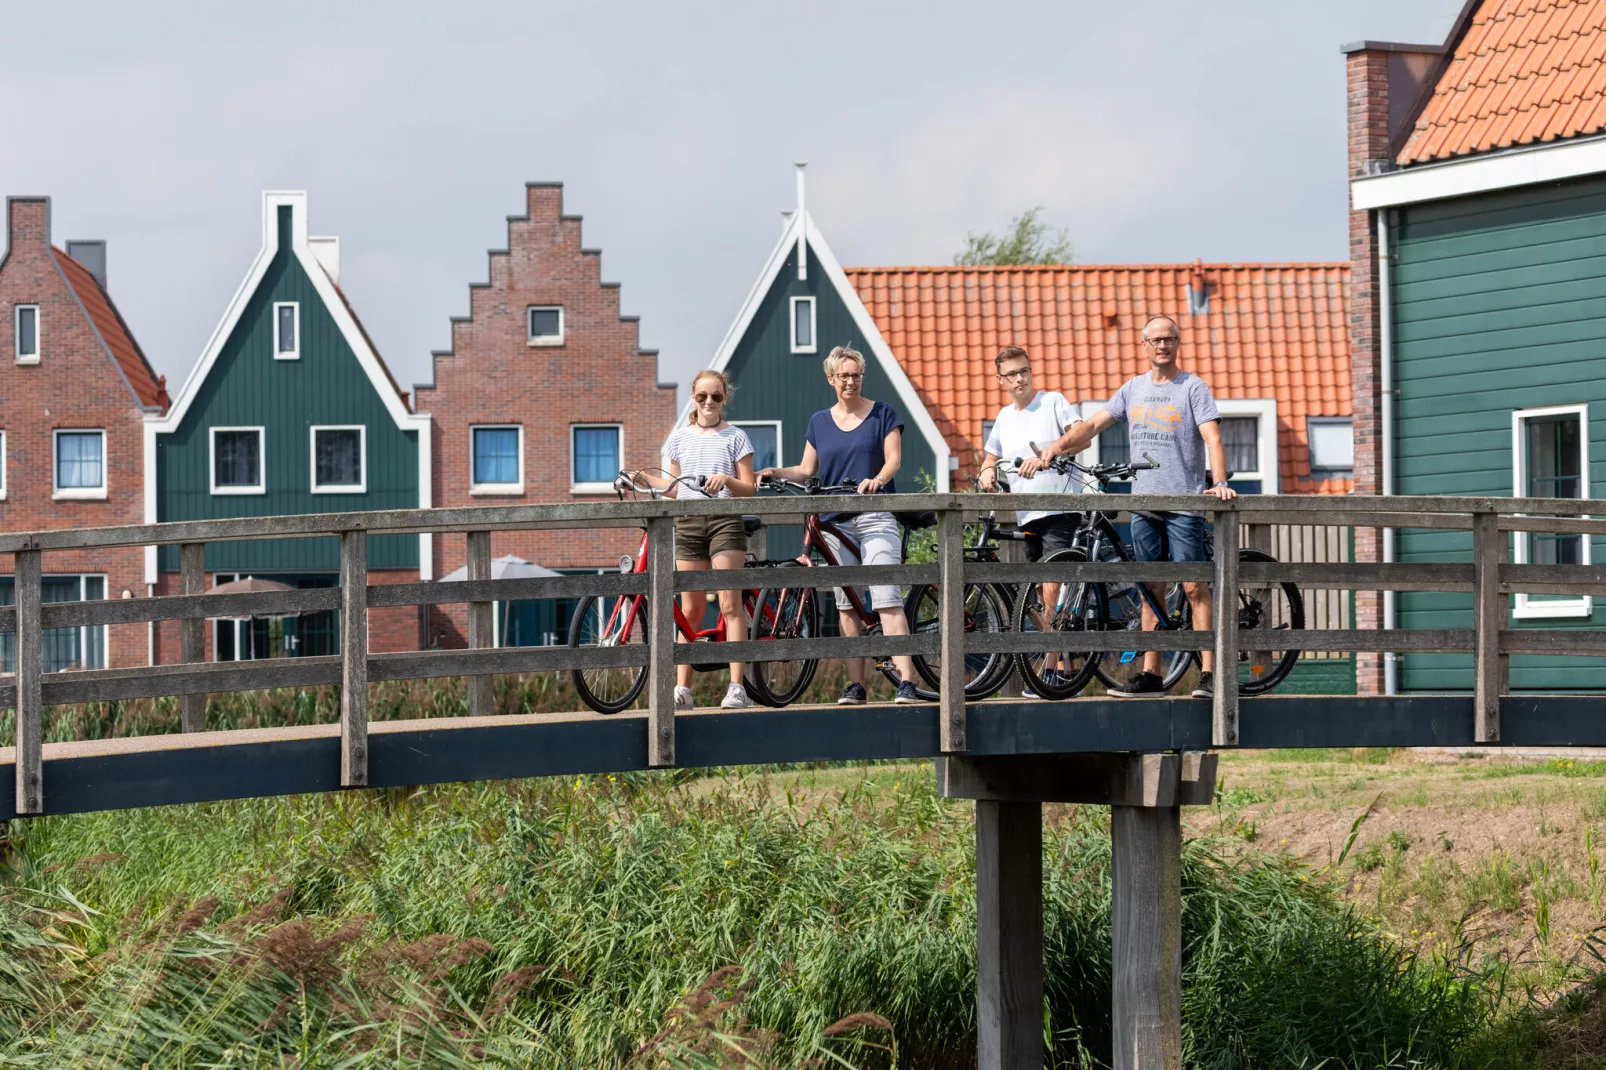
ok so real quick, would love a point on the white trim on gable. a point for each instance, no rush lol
(335, 305)
(909, 404)
(1480, 174)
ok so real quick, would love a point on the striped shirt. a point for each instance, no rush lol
(706, 453)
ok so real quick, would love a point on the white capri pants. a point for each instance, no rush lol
(880, 543)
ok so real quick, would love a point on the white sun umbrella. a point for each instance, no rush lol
(507, 567)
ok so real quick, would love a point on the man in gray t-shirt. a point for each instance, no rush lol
(1171, 417)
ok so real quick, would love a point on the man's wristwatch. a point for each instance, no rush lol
(1221, 483)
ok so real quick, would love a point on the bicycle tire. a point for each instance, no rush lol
(982, 605)
(1070, 616)
(795, 615)
(592, 618)
(1283, 663)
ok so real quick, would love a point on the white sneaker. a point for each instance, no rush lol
(735, 698)
(682, 698)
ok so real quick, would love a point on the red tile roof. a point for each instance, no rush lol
(1525, 71)
(148, 387)
(1271, 330)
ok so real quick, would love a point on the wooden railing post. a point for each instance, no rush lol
(30, 695)
(1224, 614)
(481, 625)
(951, 615)
(353, 659)
(192, 633)
(1489, 617)
(661, 642)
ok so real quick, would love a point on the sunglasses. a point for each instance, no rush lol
(717, 399)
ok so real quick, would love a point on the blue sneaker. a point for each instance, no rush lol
(906, 692)
(852, 695)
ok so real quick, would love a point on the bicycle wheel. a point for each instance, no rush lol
(1063, 673)
(783, 613)
(984, 612)
(609, 621)
(1263, 611)
(1124, 606)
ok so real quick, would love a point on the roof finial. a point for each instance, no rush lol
(803, 226)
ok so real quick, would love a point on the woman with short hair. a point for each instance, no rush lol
(859, 442)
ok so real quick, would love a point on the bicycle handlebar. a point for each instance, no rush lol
(810, 486)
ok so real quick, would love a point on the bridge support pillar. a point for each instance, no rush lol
(1145, 793)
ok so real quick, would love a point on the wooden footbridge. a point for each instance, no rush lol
(1145, 758)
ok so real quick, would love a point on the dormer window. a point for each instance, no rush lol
(286, 331)
(26, 326)
(544, 325)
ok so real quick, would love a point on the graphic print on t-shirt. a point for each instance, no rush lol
(1163, 421)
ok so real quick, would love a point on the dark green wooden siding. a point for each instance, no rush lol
(247, 387)
(1499, 305)
(773, 383)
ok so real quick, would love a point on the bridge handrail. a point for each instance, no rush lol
(1489, 577)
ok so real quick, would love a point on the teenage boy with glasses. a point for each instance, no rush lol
(1170, 415)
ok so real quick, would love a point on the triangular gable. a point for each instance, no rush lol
(910, 404)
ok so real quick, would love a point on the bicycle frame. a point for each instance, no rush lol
(632, 610)
(814, 532)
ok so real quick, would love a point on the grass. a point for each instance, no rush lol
(819, 917)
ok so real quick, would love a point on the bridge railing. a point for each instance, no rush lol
(1487, 575)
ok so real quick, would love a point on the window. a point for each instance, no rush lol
(986, 432)
(237, 464)
(1332, 443)
(1249, 436)
(766, 439)
(1241, 437)
(27, 334)
(1550, 460)
(64, 648)
(497, 459)
(286, 331)
(338, 460)
(545, 325)
(80, 464)
(803, 325)
(595, 451)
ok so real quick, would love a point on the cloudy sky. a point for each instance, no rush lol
(1162, 130)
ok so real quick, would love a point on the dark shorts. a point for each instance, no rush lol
(1048, 534)
(699, 538)
(1184, 533)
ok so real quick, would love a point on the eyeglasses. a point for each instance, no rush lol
(717, 399)
(849, 377)
(1158, 342)
(1018, 373)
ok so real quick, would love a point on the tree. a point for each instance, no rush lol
(1027, 240)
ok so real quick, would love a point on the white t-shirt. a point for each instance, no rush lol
(1014, 432)
(702, 452)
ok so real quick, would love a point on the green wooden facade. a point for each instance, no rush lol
(775, 384)
(1499, 305)
(247, 387)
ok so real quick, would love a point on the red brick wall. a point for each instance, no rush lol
(1368, 107)
(76, 384)
(493, 376)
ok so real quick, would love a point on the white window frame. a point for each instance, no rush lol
(1310, 443)
(1522, 607)
(361, 486)
(593, 488)
(16, 334)
(545, 339)
(487, 489)
(814, 325)
(261, 486)
(2, 464)
(84, 629)
(1265, 409)
(289, 354)
(780, 451)
(60, 493)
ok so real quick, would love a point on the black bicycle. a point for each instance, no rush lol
(1263, 611)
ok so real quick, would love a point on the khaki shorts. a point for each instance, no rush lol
(699, 538)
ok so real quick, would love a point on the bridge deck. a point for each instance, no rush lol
(160, 770)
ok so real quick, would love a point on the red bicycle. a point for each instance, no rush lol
(621, 620)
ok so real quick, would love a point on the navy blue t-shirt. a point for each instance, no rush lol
(850, 456)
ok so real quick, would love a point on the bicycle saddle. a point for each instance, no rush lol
(751, 524)
(915, 521)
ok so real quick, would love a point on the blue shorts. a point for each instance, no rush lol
(1184, 532)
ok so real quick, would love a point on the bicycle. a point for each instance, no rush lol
(619, 620)
(1119, 607)
(794, 612)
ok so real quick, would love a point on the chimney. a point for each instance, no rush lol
(27, 223)
(327, 252)
(1388, 83)
(92, 255)
(1198, 291)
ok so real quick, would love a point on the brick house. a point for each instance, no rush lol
(75, 389)
(290, 410)
(545, 394)
(1477, 175)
